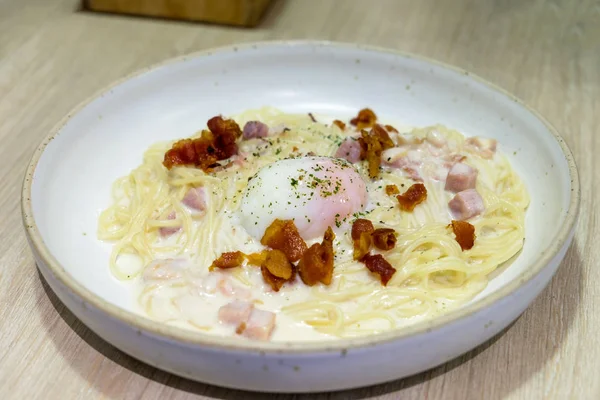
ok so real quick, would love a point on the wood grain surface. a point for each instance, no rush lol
(547, 52)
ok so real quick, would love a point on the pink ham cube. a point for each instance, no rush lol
(195, 199)
(466, 204)
(236, 312)
(255, 129)
(260, 325)
(349, 150)
(461, 177)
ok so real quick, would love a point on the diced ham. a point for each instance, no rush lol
(255, 129)
(461, 177)
(349, 150)
(466, 204)
(398, 157)
(168, 231)
(485, 147)
(260, 325)
(235, 312)
(195, 199)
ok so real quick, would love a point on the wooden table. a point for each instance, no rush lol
(53, 55)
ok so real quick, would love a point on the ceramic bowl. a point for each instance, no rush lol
(69, 178)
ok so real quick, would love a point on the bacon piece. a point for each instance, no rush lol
(255, 129)
(228, 260)
(485, 147)
(195, 199)
(366, 118)
(371, 151)
(278, 265)
(362, 245)
(466, 204)
(259, 325)
(391, 189)
(277, 270)
(379, 265)
(382, 136)
(168, 230)
(349, 150)
(316, 265)
(372, 144)
(384, 238)
(283, 235)
(257, 258)
(361, 237)
(273, 281)
(465, 234)
(360, 226)
(416, 194)
(236, 312)
(217, 143)
(390, 128)
(461, 177)
(339, 124)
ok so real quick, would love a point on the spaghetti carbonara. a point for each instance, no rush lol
(169, 222)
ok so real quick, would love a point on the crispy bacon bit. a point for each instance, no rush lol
(371, 151)
(257, 258)
(283, 235)
(366, 118)
(316, 265)
(228, 260)
(278, 265)
(379, 265)
(372, 144)
(390, 128)
(360, 226)
(382, 136)
(217, 143)
(339, 124)
(384, 238)
(273, 281)
(312, 117)
(362, 245)
(391, 189)
(361, 236)
(465, 234)
(416, 194)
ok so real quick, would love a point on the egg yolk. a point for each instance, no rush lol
(314, 192)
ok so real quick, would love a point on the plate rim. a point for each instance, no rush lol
(145, 325)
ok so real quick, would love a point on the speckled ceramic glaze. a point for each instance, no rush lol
(68, 182)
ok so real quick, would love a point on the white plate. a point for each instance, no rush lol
(71, 173)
